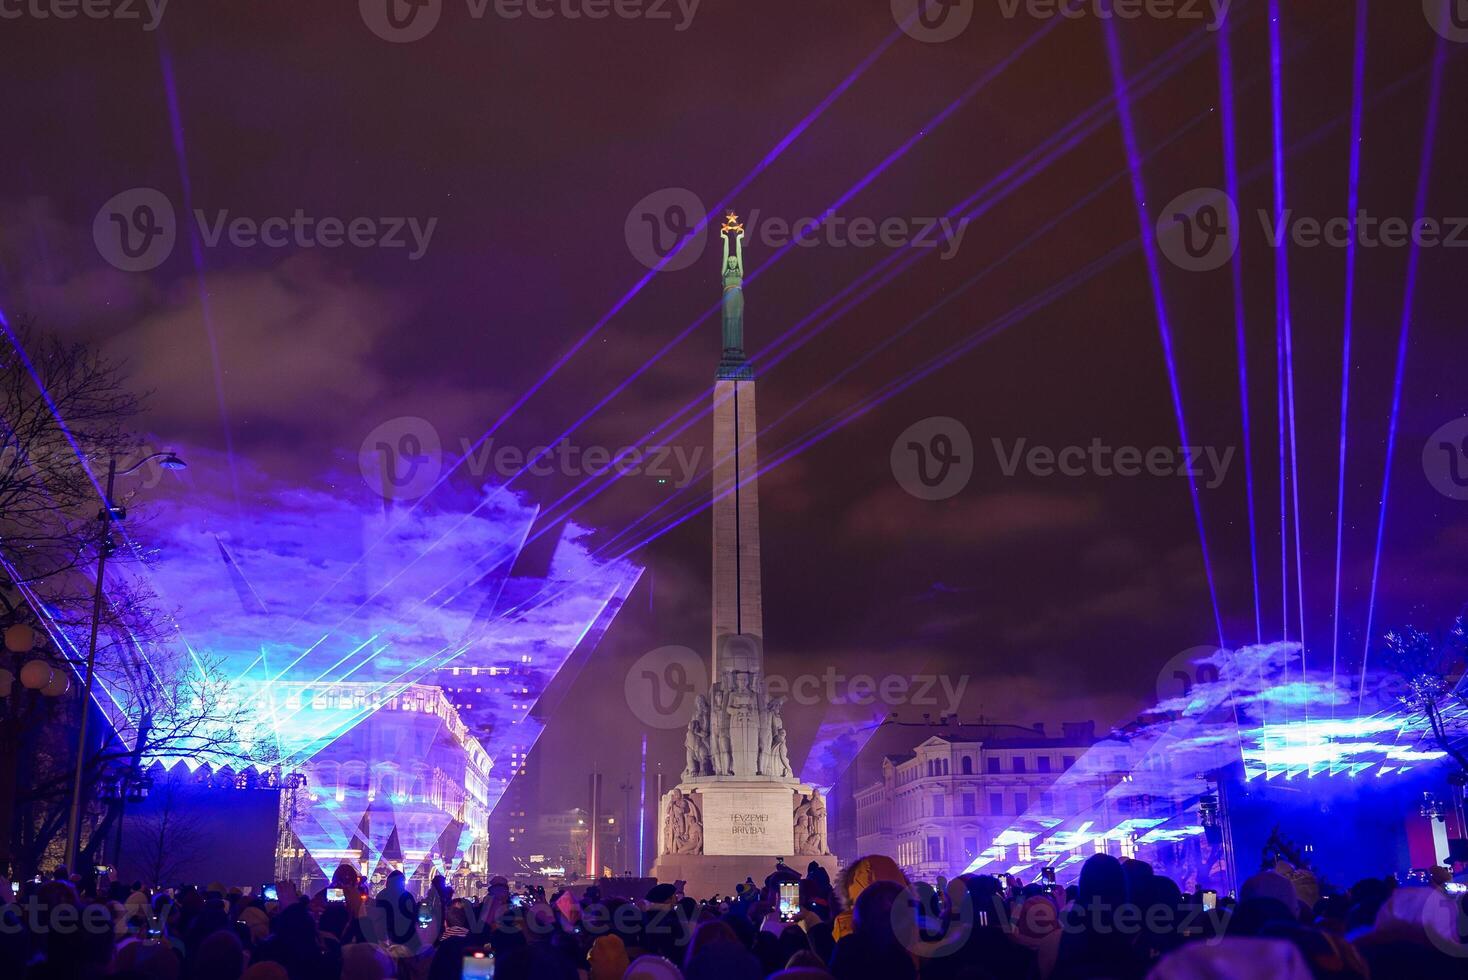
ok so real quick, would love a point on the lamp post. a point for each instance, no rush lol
(29, 686)
(109, 513)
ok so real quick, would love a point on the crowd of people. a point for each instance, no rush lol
(1118, 920)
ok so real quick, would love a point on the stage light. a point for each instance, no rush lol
(1432, 807)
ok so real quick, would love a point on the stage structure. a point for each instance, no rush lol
(1162, 788)
(332, 620)
(738, 806)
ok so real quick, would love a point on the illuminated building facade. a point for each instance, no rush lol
(937, 808)
(406, 790)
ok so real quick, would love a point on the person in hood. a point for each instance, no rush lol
(855, 880)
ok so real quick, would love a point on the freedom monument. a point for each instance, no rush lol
(738, 806)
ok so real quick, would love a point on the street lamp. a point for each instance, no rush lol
(109, 514)
(35, 674)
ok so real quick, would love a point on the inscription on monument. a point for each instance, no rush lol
(749, 824)
(748, 821)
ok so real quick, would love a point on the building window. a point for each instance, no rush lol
(996, 803)
(1021, 803)
(935, 848)
(1042, 764)
(938, 805)
(1066, 761)
(970, 846)
(1019, 764)
(968, 765)
(969, 806)
(993, 763)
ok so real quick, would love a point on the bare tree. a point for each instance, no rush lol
(65, 409)
(1432, 671)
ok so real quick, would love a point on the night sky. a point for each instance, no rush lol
(530, 142)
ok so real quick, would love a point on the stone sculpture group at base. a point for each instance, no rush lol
(737, 731)
(683, 823)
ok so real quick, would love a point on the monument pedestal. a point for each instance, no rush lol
(704, 875)
(743, 825)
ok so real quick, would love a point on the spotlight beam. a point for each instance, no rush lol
(1424, 178)
(1285, 326)
(1154, 276)
(175, 120)
(1231, 178)
(1358, 81)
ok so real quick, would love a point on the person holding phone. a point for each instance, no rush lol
(345, 887)
(399, 912)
